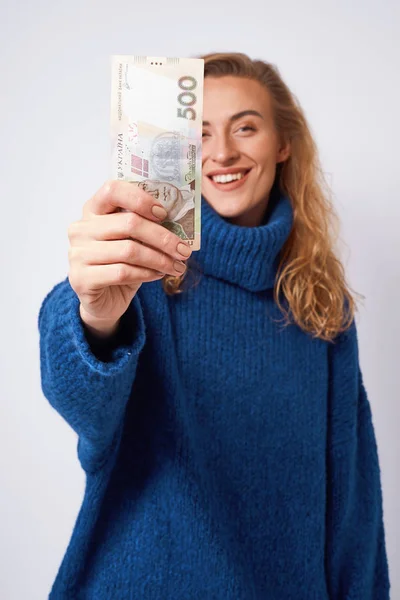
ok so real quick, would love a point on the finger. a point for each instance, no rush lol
(126, 251)
(116, 195)
(120, 226)
(98, 277)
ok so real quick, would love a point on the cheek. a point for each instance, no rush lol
(260, 151)
(204, 153)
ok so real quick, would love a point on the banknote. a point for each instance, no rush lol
(156, 131)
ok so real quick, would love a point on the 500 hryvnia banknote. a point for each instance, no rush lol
(156, 131)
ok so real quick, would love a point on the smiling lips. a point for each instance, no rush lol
(228, 180)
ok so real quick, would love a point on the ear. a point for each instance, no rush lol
(283, 153)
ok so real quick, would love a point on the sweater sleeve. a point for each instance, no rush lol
(356, 560)
(88, 383)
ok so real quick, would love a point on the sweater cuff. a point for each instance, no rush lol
(113, 353)
(105, 349)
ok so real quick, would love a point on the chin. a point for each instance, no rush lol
(228, 208)
(229, 212)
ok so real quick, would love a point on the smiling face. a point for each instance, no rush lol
(240, 148)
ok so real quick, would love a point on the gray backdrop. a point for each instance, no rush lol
(341, 59)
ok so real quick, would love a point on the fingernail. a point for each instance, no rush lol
(159, 212)
(184, 250)
(179, 266)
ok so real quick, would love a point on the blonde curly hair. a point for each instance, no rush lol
(310, 276)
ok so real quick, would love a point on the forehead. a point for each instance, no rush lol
(228, 95)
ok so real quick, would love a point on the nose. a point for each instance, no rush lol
(222, 149)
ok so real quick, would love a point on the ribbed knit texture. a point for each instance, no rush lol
(227, 457)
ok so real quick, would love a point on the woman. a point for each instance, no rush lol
(224, 427)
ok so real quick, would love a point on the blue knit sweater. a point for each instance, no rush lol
(226, 457)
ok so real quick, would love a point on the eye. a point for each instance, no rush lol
(205, 134)
(246, 128)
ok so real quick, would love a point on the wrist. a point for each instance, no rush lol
(101, 328)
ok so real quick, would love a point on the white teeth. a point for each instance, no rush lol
(227, 178)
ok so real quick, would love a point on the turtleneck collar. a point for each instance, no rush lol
(245, 256)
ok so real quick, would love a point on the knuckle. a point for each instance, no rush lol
(165, 263)
(129, 250)
(137, 198)
(141, 200)
(72, 231)
(122, 273)
(109, 187)
(147, 273)
(131, 221)
(71, 254)
(77, 255)
(166, 240)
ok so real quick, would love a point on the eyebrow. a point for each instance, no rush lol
(239, 115)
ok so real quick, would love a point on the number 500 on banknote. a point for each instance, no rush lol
(156, 131)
